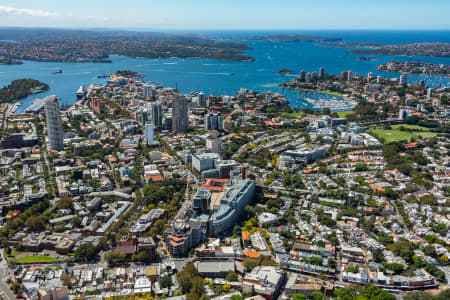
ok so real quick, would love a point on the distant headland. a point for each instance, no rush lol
(290, 38)
(21, 88)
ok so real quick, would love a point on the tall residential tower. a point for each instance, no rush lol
(53, 119)
(180, 118)
(156, 116)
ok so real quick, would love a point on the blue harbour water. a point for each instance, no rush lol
(213, 77)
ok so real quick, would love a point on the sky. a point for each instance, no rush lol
(227, 14)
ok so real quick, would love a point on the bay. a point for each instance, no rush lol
(214, 77)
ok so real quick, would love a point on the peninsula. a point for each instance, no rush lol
(98, 51)
(415, 67)
(21, 88)
(92, 47)
(290, 38)
(413, 49)
(351, 45)
(129, 74)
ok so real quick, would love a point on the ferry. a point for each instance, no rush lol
(81, 92)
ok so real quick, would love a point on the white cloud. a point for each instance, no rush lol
(13, 11)
(9, 11)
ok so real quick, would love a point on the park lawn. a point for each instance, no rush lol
(343, 114)
(298, 115)
(331, 93)
(34, 259)
(391, 135)
(412, 127)
(17, 253)
(322, 91)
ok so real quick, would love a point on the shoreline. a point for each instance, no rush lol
(315, 91)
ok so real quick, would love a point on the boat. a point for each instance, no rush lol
(15, 106)
(102, 76)
(58, 72)
(81, 92)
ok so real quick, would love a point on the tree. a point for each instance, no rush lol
(65, 203)
(371, 291)
(249, 263)
(35, 223)
(443, 295)
(315, 260)
(76, 221)
(443, 259)
(368, 291)
(86, 252)
(418, 296)
(140, 257)
(165, 282)
(15, 287)
(185, 277)
(404, 249)
(231, 276)
(353, 269)
(430, 251)
(316, 295)
(331, 263)
(197, 285)
(378, 255)
(192, 296)
(115, 257)
(237, 297)
(67, 279)
(299, 297)
(441, 229)
(395, 267)
(361, 168)
(185, 281)
(326, 220)
(157, 228)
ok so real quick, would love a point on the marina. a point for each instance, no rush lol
(333, 104)
(36, 107)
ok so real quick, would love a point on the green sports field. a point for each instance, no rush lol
(343, 114)
(34, 259)
(411, 127)
(298, 115)
(392, 135)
